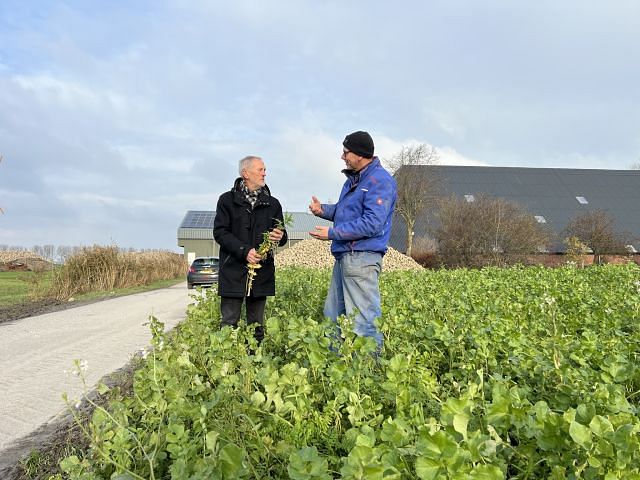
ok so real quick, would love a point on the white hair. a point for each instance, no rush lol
(246, 162)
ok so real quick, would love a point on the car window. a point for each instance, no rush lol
(198, 262)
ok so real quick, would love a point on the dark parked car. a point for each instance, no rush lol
(203, 271)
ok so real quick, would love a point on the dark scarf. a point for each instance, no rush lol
(252, 197)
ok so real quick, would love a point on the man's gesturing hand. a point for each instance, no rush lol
(315, 206)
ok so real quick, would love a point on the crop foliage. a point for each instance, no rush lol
(485, 374)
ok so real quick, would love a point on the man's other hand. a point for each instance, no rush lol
(275, 235)
(253, 257)
(321, 233)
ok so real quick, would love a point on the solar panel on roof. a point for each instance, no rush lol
(198, 219)
(302, 221)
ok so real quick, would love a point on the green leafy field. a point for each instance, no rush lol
(485, 374)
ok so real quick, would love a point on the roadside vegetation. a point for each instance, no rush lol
(107, 268)
(89, 274)
(539, 379)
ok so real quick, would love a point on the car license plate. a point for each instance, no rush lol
(206, 270)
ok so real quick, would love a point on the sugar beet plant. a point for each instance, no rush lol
(522, 373)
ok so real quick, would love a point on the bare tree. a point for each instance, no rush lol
(38, 250)
(48, 251)
(635, 166)
(487, 231)
(596, 229)
(63, 252)
(417, 188)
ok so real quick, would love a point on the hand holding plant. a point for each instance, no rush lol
(270, 241)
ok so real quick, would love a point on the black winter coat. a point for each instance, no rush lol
(238, 228)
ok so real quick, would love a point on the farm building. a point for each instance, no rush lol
(195, 233)
(553, 195)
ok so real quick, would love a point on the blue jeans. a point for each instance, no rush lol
(354, 288)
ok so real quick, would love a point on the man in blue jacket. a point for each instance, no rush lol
(360, 233)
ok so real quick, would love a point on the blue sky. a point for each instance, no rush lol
(116, 118)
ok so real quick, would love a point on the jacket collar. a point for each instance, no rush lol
(356, 176)
(238, 194)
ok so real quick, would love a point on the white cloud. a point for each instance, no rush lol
(386, 148)
(140, 158)
(449, 121)
(91, 200)
(569, 160)
(73, 179)
(179, 203)
(51, 90)
(449, 156)
(128, 116)
(17, 195)
(303, 162)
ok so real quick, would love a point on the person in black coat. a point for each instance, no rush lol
(243, 214)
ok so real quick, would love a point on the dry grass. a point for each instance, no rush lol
(7, 256)
(100, 268)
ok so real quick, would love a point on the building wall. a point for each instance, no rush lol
(198, 248)
(209, 248)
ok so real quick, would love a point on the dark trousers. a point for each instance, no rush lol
(230, 308)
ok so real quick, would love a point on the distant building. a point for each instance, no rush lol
(195, 233)
(554, 196)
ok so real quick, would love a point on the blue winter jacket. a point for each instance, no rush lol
(362, 216)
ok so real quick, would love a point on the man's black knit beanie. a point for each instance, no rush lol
(359, 143)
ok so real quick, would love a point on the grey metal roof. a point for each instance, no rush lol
(198, 224)
(549, 192)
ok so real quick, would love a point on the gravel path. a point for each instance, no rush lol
(36, 354)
